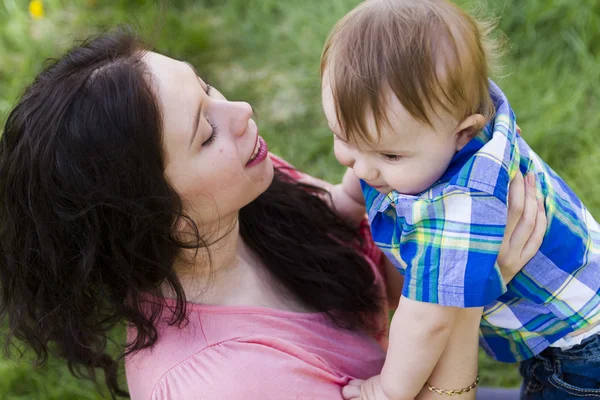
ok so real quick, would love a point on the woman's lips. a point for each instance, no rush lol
(259, 154)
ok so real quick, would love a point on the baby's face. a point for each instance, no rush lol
(408, 157)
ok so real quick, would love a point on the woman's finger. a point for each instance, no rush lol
(526, 224)
(537, 236)
(516, 200)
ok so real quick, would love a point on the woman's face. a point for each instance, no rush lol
(215, 159)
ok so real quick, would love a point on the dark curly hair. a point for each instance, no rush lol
(87, 217)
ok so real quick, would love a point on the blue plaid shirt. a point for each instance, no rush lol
(446, 241)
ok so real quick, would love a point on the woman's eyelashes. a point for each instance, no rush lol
(213, 134)
(214, 130)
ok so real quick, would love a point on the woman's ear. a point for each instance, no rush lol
(468, 129)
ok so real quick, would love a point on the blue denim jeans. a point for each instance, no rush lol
(557, 374)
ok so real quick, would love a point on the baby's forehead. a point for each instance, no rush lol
(392, 124)
(397, 121)
(395, 126)
(401, 120)
(396, 113)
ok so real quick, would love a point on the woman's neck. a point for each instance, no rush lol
(229, 273)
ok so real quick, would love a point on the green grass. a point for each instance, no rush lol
(267, 52)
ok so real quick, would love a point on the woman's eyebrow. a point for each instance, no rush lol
(198, 113)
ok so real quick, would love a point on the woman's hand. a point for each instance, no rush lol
(525, 226)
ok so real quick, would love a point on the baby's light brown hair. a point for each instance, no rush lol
(431, 54)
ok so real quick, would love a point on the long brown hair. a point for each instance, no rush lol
(87, 218)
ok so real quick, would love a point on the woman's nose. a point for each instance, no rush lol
(240, 113)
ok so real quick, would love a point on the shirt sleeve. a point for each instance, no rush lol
(251, 371)
(450, 245)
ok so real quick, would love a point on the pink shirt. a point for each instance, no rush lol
(250, 353)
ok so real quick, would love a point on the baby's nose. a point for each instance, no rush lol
(364, 171)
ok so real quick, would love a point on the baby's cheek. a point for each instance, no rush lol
(410, 178)
(431, 174)
(342, 155)
(399, 178)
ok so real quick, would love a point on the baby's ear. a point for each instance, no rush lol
(468, 129)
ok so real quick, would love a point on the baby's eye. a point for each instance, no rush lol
(391, 157)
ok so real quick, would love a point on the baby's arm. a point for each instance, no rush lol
(347, 199)
(419, 333)
(457, 367)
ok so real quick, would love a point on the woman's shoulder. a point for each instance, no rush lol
(278, 161)
(369, 248)
(224, 352)
(284, 166)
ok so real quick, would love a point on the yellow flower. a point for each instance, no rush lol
(36, 9)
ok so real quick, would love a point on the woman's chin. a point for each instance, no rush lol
(264, 174)
(260, 178)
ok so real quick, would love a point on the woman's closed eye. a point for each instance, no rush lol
(213, 134)
(214, 129)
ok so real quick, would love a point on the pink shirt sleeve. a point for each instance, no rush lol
(250, 370)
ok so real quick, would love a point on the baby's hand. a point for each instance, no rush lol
(364, 390)
(346, 207)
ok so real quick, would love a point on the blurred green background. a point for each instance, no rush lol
(267, 53)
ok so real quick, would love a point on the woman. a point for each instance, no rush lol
(130, 190)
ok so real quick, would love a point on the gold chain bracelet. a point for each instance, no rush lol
(454, 392)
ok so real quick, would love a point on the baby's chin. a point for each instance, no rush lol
(405, 192)
(384, 189)
(415, 190)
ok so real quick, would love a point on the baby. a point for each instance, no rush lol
(431, 145)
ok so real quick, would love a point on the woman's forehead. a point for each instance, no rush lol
(178, 92)
(169, 74)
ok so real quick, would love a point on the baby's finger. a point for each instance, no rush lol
(351, 392)
(537, 236)
(356, 382)
(526, 224)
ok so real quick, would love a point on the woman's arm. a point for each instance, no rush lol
(525, 229)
